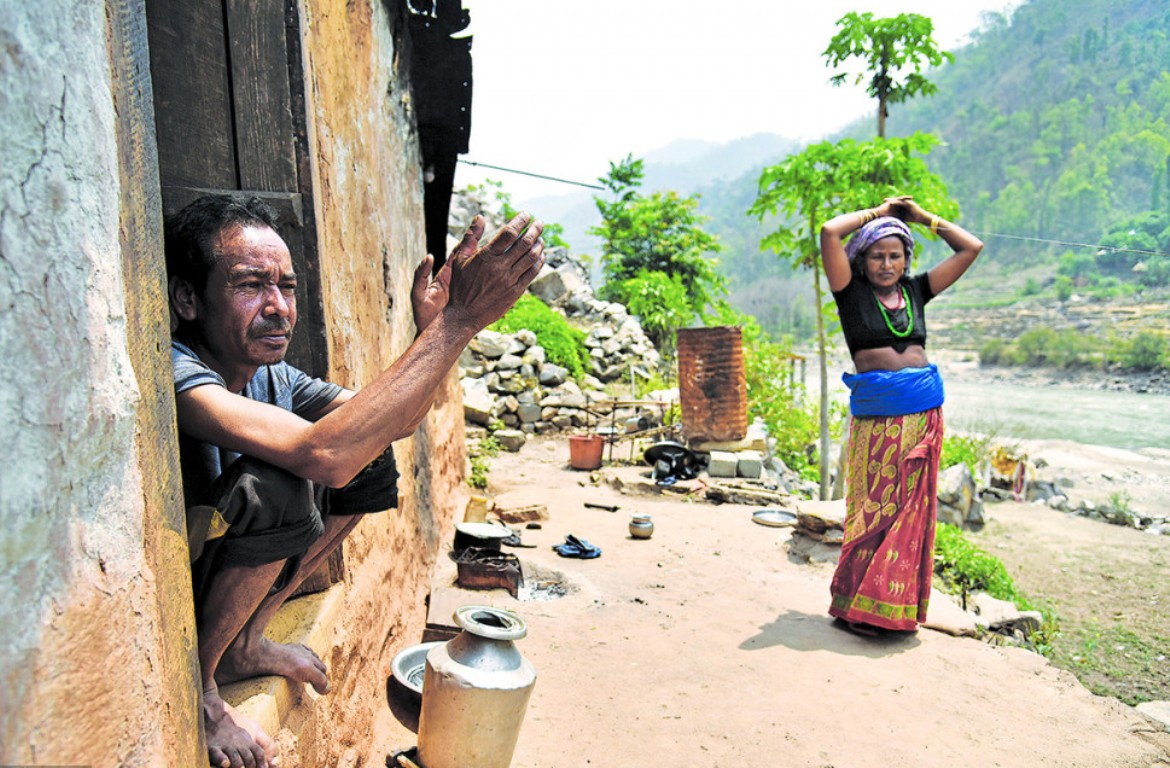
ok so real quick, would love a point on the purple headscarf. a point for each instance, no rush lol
(886, 226)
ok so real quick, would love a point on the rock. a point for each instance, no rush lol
(489, 344)
(563, 400)
(950, 515)
(529, 413)
(945, 615)
(535, 356)
(722, 464)
(1158, 711)
(478, 404)
(749, 464)
(956, 486)
(549, 286)
(1028, 622)
(553, 375)
(522, 514)
(819, 516)
(959, 502)
(992, 612)
(806, 549)
(511, 385)
(508, 362)
(511, 440)
(741, 494)
(526, 337)
(975, 515)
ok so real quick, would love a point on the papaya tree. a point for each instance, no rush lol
(894, 51)
(826, 179)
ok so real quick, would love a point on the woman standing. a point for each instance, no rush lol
(896, 396)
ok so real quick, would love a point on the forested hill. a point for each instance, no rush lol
(1056, 125)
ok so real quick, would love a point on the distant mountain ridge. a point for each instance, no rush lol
(687, 166)
(1055, 126)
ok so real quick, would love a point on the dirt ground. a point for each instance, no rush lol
(707, 646)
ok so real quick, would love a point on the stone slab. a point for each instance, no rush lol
(722, 464)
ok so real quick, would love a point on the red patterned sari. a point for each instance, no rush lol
(887, 559)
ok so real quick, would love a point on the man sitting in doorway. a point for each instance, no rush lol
(264, 446)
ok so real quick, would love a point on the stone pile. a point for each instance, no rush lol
(508, 378)
(1039, 488)
(1116, 511)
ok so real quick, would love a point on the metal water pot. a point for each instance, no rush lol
(475, 692)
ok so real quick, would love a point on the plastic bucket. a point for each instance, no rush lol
(585, 451)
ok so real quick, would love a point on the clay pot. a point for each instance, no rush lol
(585, 451)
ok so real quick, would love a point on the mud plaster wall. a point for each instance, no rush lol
(368, 187)
(96, 638)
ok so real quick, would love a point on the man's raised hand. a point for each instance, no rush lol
(428, 296)
(487, 280)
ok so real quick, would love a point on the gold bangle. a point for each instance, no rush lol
(866, 217)
(934, 222)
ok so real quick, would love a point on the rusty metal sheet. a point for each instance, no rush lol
(712, 385)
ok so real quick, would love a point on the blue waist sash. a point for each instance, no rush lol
(894, 393)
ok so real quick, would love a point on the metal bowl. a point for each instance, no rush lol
(410, 665)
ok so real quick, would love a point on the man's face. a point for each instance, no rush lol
(248, 309)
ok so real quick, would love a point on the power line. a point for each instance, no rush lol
(1098, 246)
(534, 175)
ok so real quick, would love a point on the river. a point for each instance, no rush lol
(1098, 417)
(1013, 410)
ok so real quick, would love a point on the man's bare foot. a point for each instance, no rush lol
(264, 657)
(235, 741)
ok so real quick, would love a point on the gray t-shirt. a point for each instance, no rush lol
(280, 385)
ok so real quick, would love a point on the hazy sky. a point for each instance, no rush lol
(562, 87)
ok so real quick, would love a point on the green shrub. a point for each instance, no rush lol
(563, 344)
(661, 302)
(1146, 351)
(998, 352)
(1063, 349)
(965, 567)
(963, 449)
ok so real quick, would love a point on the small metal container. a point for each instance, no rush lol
(641, 526)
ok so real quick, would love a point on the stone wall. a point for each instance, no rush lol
(96, 650)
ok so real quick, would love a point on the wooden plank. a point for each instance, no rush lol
(260, 92)
(147, 331)
(192, 102)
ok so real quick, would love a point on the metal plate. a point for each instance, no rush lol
(774, 518)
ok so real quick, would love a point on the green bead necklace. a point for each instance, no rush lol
(909, 315)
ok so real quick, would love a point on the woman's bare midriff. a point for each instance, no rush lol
(890, 359)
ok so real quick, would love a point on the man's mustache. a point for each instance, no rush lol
(273, 328)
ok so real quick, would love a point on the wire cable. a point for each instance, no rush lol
(1098, 246)
(528, 173)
